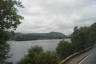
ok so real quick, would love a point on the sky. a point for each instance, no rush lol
(42, 16)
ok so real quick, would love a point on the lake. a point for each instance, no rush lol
(19, 48)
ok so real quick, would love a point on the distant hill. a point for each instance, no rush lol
(36, 36)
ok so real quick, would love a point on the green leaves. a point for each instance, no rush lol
(36, 55)
(64, 49)
(9, 17)
(4, 47)
(81, 38)
(84, 37)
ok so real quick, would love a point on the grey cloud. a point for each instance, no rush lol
(56, 15)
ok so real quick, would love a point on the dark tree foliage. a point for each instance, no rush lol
(92, 33)
(9, 19)
(36, 36)
(36, 55)
(64, 49)
(4, 47)
(82, 38)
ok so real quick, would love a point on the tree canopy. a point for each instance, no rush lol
(9, 18)
(81, 38)
(36, 55)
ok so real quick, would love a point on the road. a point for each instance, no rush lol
(90, 59)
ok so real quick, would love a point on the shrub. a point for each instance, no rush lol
(36, 55)
(64, 49)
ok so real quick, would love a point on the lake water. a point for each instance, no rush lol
(19, 48)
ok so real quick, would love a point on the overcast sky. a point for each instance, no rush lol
(56, 15)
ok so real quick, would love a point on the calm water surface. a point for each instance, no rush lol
(20, 48)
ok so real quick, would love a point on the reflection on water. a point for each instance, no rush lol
(20, 48)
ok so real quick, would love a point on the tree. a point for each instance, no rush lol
(9, 19)
(84, 37)
(92, 34)
(4, 47)
(36, 55)
(80, 38)
(64, 49)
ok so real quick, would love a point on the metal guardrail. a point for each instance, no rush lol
(75, 54)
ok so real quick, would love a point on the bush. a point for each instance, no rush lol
(64, 49)
(81, 38)
(84, 37)
(36, 55)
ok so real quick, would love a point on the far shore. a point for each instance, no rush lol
(34, 40)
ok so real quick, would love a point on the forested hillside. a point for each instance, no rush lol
(35, 36)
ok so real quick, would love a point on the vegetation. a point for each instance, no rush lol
(4, 47)
(36, 55)
(84, 37)
(81, 38)
(36, 36)
(9, 20)
(64, 49)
